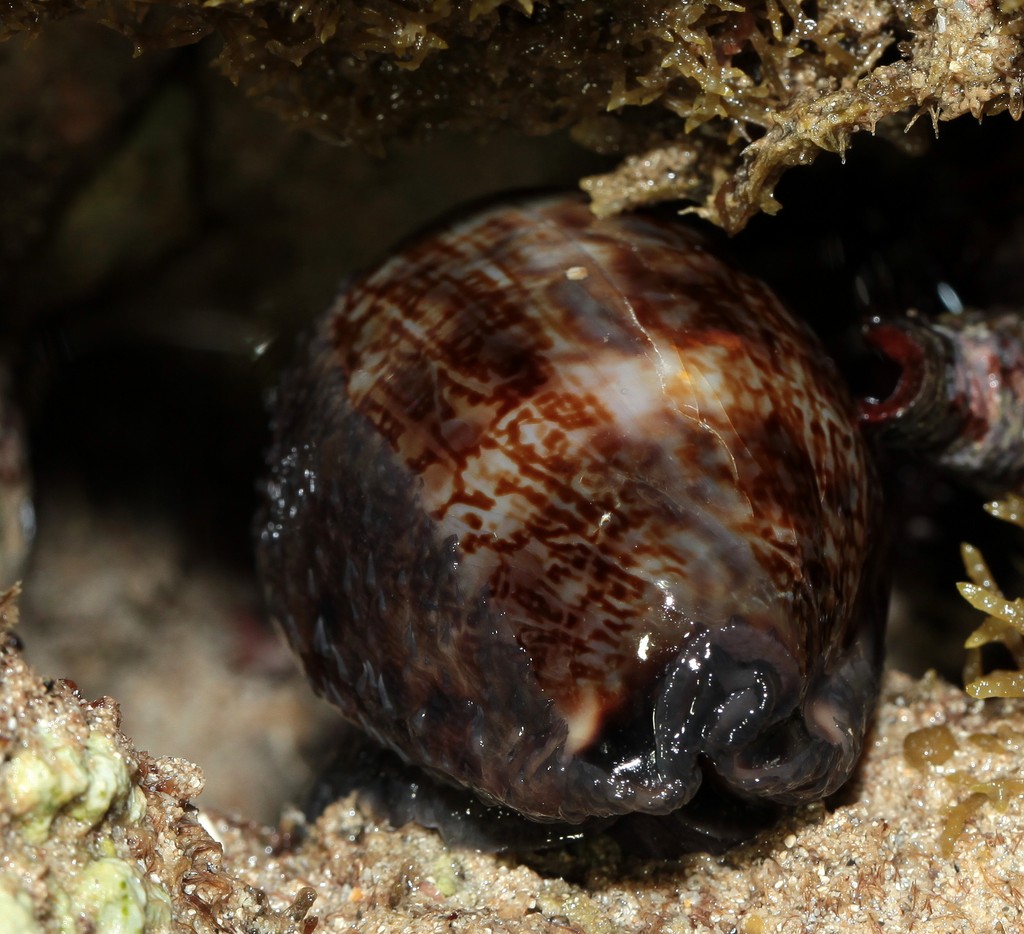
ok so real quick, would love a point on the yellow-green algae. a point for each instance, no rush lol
(111, 895)
(84, 783)
(1004, 622)
(40, 782)
(98, 837)
(709, 102)
(16, 914)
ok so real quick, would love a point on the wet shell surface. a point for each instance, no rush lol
(571, 513)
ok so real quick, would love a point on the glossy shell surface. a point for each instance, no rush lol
(572, 513)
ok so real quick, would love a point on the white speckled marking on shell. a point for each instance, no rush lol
(633, 456)
(572, 513)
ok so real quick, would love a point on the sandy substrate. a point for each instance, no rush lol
(876, 863)
(115, 602)
(157, 228)
(100, 837)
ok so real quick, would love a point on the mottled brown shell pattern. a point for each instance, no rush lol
(570, 512)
